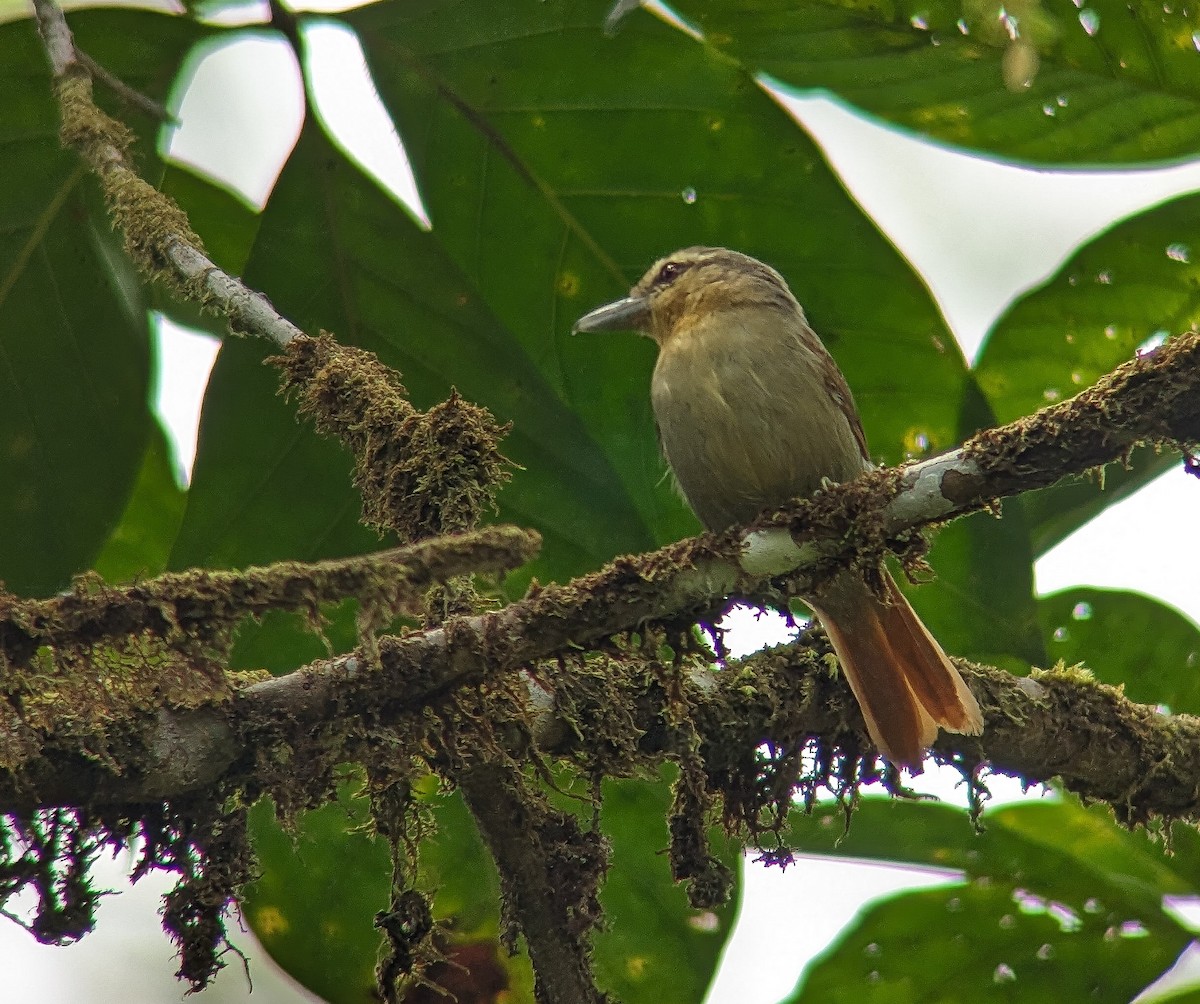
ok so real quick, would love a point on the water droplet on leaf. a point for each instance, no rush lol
(1082, 611)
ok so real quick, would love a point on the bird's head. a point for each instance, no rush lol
(688, 286)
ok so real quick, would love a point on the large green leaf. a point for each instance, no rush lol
(1055, 895)
(529, 134)
(1126, 638)
(1109, 81)
(656, 947)
(1136, 279)
(314, 905)
(515, 129)
(141, 541)
(1133, 281)
(994, 950)
(74, 337)
(335, 252)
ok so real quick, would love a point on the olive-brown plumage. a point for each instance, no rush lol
(752, 411)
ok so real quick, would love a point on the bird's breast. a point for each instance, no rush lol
(746, 419)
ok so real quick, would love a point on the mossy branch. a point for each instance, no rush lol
(1151, 399)
(199, 602)
(157, 234)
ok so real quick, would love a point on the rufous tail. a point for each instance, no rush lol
(904, 683)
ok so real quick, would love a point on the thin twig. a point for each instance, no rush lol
(129, 95)
(248, 311)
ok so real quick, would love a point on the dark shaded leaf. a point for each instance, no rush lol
(657, 947)
(74, 336)
(140, 543)
(528, 136)
(313, 907)
(330, 948)
(1127, 638)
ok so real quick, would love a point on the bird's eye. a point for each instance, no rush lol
(668, 272)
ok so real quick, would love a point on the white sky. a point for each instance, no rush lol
(980, 232)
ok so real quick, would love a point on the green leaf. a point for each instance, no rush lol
(1126, 638)
(995, 951)
(528, 132)
(1127, 284)
(140, 543)
(1058, 894)
(314, 905)
(74, 338)
(1112, 294)
(981, 604)
(656, 947)
(1126, 91)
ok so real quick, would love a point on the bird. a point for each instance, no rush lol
(752, 411)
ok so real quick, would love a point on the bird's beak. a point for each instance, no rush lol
(629, 314)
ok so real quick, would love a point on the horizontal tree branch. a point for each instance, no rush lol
(204, 600)
(1151, 399)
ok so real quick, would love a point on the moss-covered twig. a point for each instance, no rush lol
(156, 231)
(185, 604)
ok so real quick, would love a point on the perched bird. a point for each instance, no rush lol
(753, 411)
